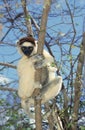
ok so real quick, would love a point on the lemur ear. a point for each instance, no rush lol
(36, 42)
(17, 43)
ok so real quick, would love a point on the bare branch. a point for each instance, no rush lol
(57, 120)
(38, 73)
(8, 65)
(8, 89)
(43, 26)
(71, 16)
(38, 29)
(34, 22)
(6, 34)
(27, 18)
(73, 25)
(77, 84)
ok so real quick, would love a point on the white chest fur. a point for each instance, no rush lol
(26, 73)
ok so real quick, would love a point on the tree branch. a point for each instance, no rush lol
(8, 65)
(8, 89)
(38, 29)
(27, 18)
(77, 84)
(38, 73)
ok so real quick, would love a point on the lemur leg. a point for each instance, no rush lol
(26, 104)
(51, 89)
(38, 61)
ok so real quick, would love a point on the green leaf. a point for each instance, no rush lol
(53, 64)
(28, 17)
(73, 46)
(82, 127)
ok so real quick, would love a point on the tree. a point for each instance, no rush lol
(64, 40)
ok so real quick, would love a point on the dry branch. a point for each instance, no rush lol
(77, 84)
(27, 18)
(38, 29)
(41, 42)
(8, 89)
(8, 65)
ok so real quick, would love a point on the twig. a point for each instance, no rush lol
(8, 89)
(38, 29)
(8, 65)
(77, 84)
(73, 25)
(34, 22)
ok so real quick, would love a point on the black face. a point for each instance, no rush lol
(27, 50)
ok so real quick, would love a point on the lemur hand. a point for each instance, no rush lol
(39, 61)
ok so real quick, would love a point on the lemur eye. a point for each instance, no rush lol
(30, 48)
(23, 48)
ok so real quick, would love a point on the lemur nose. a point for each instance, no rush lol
(27, 50)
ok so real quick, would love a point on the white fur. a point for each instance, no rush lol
(26, 73)
(26, 77)
(26, 44)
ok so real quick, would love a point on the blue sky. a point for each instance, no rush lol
(59, 14)
(9, 53)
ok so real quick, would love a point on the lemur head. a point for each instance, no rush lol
(27, 46)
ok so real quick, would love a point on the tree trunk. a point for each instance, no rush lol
(36, 93)
(77, 84)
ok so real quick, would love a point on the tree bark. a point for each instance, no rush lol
(77, 84)
(27, 18)
(36, 93)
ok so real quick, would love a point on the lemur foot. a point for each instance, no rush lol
(37, 85)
